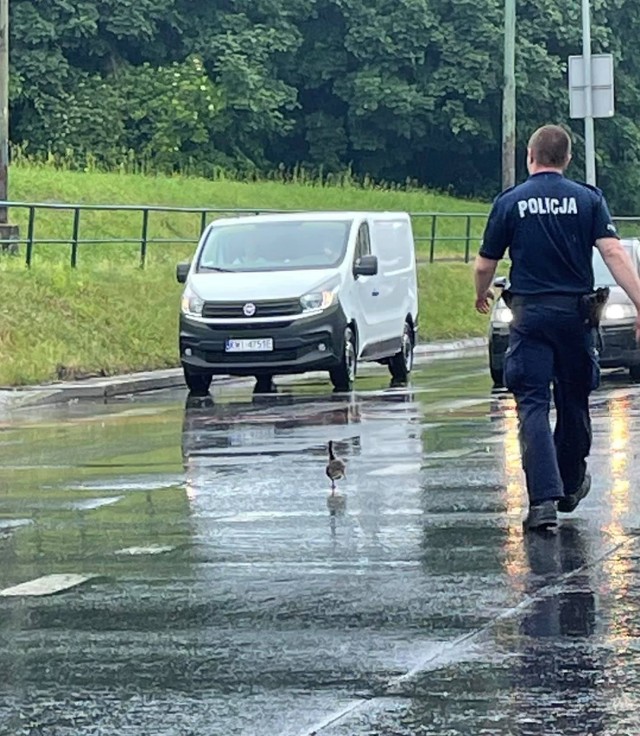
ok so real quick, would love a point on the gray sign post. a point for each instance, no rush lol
(4, 104)
(509, 97)
(8, 233)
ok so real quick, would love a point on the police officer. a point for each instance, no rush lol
(550, 225)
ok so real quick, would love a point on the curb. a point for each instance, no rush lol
(135, 383)
(450, 346)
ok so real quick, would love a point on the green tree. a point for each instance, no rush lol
(244, 44)
(394, 89)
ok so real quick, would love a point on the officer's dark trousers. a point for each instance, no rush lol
(550, 344)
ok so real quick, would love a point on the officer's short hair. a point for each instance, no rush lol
(550, 146)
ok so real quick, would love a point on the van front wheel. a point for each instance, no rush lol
(344, 375)
(401, 363)
(197, 383)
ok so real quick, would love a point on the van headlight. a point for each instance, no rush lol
(316, 301)
(615, 312)
(502, 315)
(192, 304)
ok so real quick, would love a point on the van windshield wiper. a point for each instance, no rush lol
(215, 268)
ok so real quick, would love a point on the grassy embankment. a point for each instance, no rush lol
(110, 316)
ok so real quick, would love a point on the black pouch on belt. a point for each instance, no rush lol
(592, 306)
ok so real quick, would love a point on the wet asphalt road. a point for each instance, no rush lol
(229, 600)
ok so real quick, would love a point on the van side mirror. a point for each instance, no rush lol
(366, 266)
(182, 271)
(500, 282)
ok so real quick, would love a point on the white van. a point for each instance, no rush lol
(290, 293)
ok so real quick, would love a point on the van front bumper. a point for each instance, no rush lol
(296, 345)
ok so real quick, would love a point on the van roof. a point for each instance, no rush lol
(311, 216)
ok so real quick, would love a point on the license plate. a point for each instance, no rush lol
(249, 346)
(251, 435)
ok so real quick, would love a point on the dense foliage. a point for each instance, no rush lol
(394, 89)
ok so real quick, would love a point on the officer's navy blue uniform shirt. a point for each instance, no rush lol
(550, 225)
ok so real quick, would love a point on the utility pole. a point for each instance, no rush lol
(8, 233)
(589, 136)
(4, 106)
(509, 97)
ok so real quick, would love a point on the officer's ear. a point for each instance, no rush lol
(530, 159)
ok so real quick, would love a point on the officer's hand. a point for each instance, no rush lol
(638, 329)
(483, 303)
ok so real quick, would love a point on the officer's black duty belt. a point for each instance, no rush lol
(550, 299)
(591, 305)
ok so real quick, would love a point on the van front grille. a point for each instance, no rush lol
(279, 356)
(250, 327)
(235, 310)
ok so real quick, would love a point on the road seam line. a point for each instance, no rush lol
(427, 663)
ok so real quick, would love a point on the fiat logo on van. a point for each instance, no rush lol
(249, 309)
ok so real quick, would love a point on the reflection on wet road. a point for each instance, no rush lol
(225, 597)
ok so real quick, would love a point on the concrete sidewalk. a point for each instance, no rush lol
(135, 383)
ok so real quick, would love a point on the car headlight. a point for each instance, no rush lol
(503, 315)
(317, 300)
(613, 312)
(192, 304)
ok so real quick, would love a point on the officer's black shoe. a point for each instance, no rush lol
(571, 500)
(541, 517)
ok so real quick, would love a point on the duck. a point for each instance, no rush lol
(336, 468)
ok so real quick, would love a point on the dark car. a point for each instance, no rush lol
(618, 322)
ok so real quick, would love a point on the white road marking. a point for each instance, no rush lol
(128, 484)
(449, 454)
(397, 469)
(46, 585)
(89, 504)
(456, 649)
(14, 523)
(456, 405)
(251, 516)
(152, 549)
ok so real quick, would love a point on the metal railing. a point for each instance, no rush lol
(439, 236)
(141, 239)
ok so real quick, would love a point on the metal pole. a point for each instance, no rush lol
(509, 97)
(4, 106)
(589, 136)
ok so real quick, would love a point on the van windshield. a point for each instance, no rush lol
(601, 274)
(275, 246)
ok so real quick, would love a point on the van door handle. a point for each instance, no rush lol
(375, 292)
